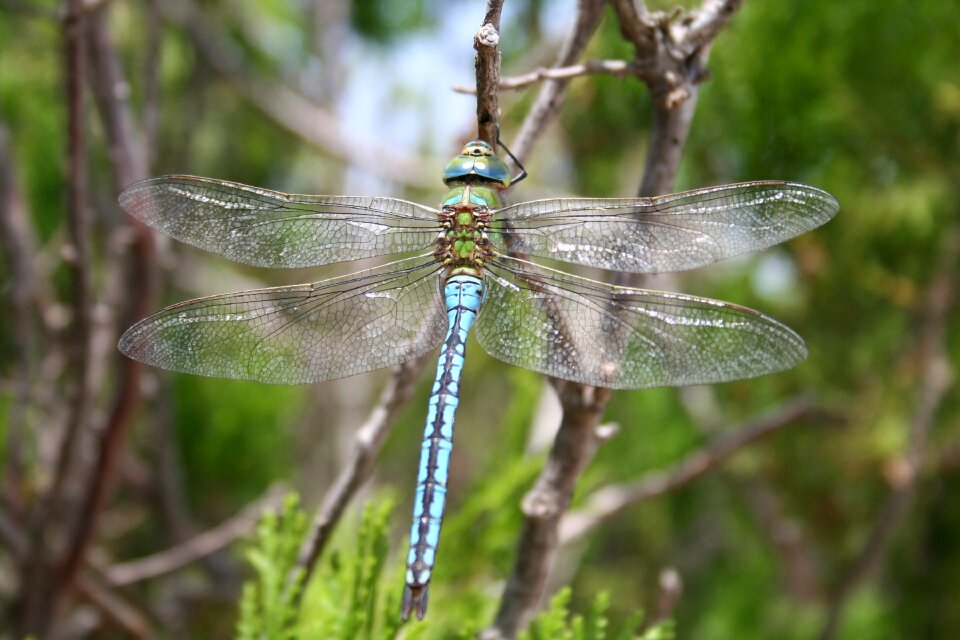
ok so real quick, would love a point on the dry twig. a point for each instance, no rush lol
(124, 614)
(609, 502)
(675, 67)
(544, 506)
(199, 546)
(547, 105)
(358, 469)
(487, 44)
(619, 68)
(79, 262)
(128, 161)
(41, 589)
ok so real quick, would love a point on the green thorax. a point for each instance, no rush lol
(466, 213)
(475, 177)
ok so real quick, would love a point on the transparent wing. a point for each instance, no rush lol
(668, 233)
(272, 229)
(302, 333)
(590, 332)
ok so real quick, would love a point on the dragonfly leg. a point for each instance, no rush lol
(523, 172)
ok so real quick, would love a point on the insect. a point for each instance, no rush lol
(467, 263)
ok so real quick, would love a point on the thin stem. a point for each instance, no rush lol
(358, 469)
(547, 105)
(115, 607)
(608, 502)
(544, 506)
(128, 162)
(487, 44)
(42, 590)
(619, 68)
(78, 224)
(197, 547)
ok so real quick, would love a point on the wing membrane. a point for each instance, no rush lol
(594, 333)
(302, 333)
(667, 233)
(272, 229)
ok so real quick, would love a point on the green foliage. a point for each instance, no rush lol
(385, 21)
(557, 623)
(343, 599)
(267, 607)
(481, 531)
(235, 434)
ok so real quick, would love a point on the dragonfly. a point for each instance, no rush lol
(471, 262)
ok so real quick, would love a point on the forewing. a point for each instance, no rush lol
(668, 233)
(272, 229)
(302, 333)
(598, 334)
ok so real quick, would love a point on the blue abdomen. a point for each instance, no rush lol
(462, 294)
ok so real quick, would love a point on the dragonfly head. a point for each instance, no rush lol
(477, 163)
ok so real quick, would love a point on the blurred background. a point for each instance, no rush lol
(842, 523)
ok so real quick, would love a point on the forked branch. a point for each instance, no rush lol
(608, 502)
(673, 67)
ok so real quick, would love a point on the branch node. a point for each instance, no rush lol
(540, 504)
(487, 36)
(676, 98)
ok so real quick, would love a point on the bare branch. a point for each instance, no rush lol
(42, 592)
(619, 68)
(487, 44)
(204, 544)
(608, 502)
(79, 262)
(672, 76)
(291, 109)
(128, 162)
(151, 78)
(544, 506)
(369, 440)
(547, 105)
(703, 25)
(576, 440)
(637, 26)
(936, 378)
(115, 607)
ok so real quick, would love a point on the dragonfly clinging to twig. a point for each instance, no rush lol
(464, 268)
